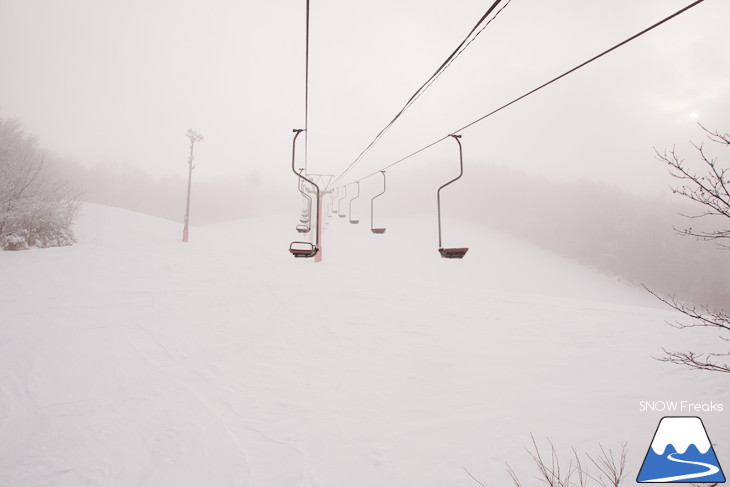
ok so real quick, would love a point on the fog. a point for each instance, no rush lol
(116, 84)
(632, 237)
(112, 88)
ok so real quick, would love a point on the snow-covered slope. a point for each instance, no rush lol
(134, 359)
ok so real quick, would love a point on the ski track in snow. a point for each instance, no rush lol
(133, 359)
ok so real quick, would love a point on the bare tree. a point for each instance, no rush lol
(708, 189)
(36, 208)
(611, 468)
(551, 472)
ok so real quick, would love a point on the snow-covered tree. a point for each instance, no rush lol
(36, 207)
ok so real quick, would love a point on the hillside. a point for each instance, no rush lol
(134, 359)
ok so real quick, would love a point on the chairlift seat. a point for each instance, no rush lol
(454, 253)
(378, 230)
(303, 253)
(305, 249)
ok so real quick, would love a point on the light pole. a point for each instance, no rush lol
(194, 137)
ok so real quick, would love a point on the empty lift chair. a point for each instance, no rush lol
(372, 228)
(453, 252)
(304, 226)
(339, 201)
(304, 249)
(353, 199)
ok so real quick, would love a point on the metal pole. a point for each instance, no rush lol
(438, 193)
(373, 200)
(339, 201)
(194, 137)
(353, 199)
(318, 256)
(306, 95)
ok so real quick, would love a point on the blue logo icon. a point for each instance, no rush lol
(681, 452)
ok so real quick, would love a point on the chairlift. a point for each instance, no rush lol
(304, 249)
(372, 228)
(304, 220)
(356, 197)
(453, 252)
(342, 215)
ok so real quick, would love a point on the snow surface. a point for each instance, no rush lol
(132, 359)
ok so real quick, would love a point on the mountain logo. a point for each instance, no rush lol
(680, 452)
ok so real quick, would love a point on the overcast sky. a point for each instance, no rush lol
(121, 82)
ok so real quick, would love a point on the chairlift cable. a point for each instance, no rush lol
(306, 91)
(449, 60)
(583, 64)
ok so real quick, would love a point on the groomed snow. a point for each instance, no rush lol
(134, 359)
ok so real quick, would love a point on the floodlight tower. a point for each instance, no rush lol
(194, 137)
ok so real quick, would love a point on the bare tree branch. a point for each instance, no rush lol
(697, 361)
(483, 484)
(703, 316)
(709, 190)
(610, 466)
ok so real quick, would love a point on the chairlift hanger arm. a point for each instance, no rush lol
(450, 253)
(373, 200)
(339, 201)
(461, 162)
(314, 248)
(309, 198)
(353, 199)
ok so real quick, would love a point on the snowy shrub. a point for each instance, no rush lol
(36, 208)
(15, 241)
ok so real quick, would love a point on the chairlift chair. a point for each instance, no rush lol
(452, 252)
(304, 249)
(339, 202)
(380, 230)
(355, 222)
(304, 221)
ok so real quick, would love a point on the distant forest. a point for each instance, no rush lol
(615, 232)
(600, 226)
